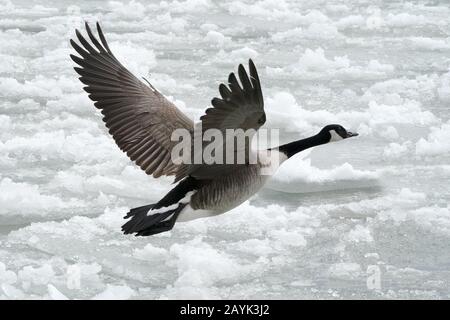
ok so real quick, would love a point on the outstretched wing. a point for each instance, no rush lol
(241, 106)
(140, 119)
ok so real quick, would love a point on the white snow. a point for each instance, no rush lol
(437, 142)
(300, 176)
(115, 293)
(328, 217)
(345, 270)
(316, 64)
(444, 87)
(216, 38)
(395, 150)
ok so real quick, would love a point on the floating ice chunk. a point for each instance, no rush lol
(407, 272)
(7, 276)
(282, 109)
(243, 54)
(13, 203)
(5, 123)
(166, 83)
(372, 255)
(136, 58)
(38, 87)
(24, 105)
(216, 38)
(345, 270)
(77, 147)
(7, 6)
(11, 291)
(7, 162)
(444, 88)
(389, 206)
(337, 7)
(405, 19)
(10, 64)
(56, 58)
(396, 150)
(409, 112)
(359, 233)
(73, 10)
(288, 35)
(67, 121)
(300, 176)
(352, 21)
(258, 247)
(131, 10)
(150, 253)
(315, 60)
(177, 25)
(201, 265)
(268, 9)
(36, 11)
(115, 292)
(321, 31)
(304, 171)
(289, 238)
(376, 66)
(187, 6)
(75, 103)
(375, 21)
(54, 293)
(437, 142)
(37, 276)
(389, 133)
(407, 196)
(424, 43)
(315, 64)
(432, 218)
(418, 88)
(209, 27)
(314, 16)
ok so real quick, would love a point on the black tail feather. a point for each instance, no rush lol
(146, 225)
(162, 218)
(136, 211)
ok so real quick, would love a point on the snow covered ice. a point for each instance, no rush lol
(324, 227)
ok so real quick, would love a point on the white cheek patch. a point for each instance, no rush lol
(335, 136)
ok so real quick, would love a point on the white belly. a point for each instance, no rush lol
(188, 214)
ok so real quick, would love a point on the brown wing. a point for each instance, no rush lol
(240, 107)
(140, 119)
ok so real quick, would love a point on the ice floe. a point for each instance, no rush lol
(319, 229)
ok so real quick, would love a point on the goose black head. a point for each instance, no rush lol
(336, 132)
(330, 133)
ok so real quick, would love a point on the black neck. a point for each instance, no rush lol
(295, 147)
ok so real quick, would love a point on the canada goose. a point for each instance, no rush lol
(141, 121)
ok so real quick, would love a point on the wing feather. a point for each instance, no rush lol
(140, 119)
(240, 106)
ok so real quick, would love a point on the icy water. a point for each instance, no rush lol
(363, 218)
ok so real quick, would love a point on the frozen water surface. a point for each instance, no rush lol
(329, 225)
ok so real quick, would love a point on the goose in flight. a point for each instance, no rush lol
(141, 121)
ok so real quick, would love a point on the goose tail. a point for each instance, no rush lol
(159, 217)
(146, 221)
